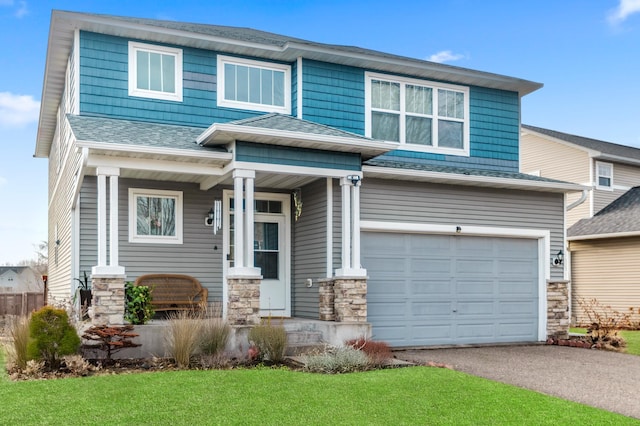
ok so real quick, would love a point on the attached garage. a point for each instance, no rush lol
(426, 289)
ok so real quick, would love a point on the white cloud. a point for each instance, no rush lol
(445, 56)
(3, 181)
(17, 110)
(21, 7)
(623, 11)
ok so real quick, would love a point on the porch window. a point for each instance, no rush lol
(155, 216)
(155, 72)
(419, 115)
(254, 85)
(604, 173)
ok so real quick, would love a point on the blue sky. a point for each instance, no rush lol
(586, 52)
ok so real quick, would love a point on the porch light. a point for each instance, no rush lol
(354, 179)
(208, 220)
(557, 261)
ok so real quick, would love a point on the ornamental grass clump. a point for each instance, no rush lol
(17, 349)
(270, 341)
(215, 331)
(343, 359)
(51, 336)
(183, 336)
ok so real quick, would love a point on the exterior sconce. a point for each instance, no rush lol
(213, 217)
(558, 260)
(458, 229)
(354, 179)
(208, 220)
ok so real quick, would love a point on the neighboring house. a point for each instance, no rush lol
(601, 224)
(608, 169)
(19, 279)
(386, 190)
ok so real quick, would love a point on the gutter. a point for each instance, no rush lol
(579, 201)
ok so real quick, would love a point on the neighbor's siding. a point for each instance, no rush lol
(607, 270)
(555, 160)
(404, 201)
(625, 177)
(200, 255)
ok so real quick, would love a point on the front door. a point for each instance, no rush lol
(270, 249)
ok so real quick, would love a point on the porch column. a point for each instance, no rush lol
(346, 224)
(351, 228)
(249, 222)
(107, 277)
(238, 222)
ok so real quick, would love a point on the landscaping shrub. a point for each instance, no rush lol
(215, 331)
(378, 352)
(19, 333)
(344, 359)
(183, 336)
(138, 308)
(270, 340)
(604, 324)
(51, 336)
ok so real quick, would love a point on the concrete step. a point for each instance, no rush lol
(304, 337)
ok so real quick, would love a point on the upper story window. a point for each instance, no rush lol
(155, 72)
(604, 175)
(420, 115)
(155, 216)
(259, 86)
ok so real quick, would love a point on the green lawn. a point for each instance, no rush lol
(631, 336)
(416, 395)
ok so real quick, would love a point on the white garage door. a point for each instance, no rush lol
(441, 289)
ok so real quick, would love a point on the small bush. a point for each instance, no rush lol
(270, 340)
(344, 359)
(215, 331)
(138, 307)
(77, 365)
(378, 352)
(17, 350)
(51, 336)
(183, 336)
(604, 324)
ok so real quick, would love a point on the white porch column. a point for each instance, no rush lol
(238, 222)
(102, 220)
(249, 222)
(114, 255)
(346, 223)
(355, 232)
(329, 227)
(108, 266)
(351, 228)
(243, 193)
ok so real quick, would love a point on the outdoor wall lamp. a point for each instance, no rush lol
(557, 261)
(213, 218)
(208, 220)
(354, 179)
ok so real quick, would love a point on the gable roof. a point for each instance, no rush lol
(620, 218)
(237, 41)
(603, 150)
(16, 269)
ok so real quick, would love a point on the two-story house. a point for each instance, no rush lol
(603, 230)
(329, 182)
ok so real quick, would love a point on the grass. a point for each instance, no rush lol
(631, 336)
(418, 395)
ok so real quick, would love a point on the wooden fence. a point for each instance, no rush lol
(20, 303)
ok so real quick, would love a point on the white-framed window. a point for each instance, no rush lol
(247, 84)
(155, 216)
(604, 175)
(155, 71)
(420, 115)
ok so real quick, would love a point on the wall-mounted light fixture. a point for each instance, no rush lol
(458, 229)
(208, 219)
(558, 260)
(354, 179)
(213, 217)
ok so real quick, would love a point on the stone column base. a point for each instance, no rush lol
(107, 293)
(243, 306)
(326, 299)
(558, 320)
(350, 299)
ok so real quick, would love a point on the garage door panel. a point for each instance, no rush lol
(439, 289)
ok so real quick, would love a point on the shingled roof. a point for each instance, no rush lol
(604, 148)
(622, 216)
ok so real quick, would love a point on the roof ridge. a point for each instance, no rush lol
(571, 135)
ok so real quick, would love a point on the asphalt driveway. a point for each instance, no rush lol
(601, 379)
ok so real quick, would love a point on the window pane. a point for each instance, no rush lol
(450, 104)
(604, 181)
(266, 236)
(242, 83)
(385, 126)
(230, 82)
(142, 65)
(385, 95)
(267, 87)
(278, 88)
(262, 206)
(254, 85)
(418, 130)
(168, 74)
(268, 263)
(155, 72)
(450, 134)
(418, 99)
(142, 216)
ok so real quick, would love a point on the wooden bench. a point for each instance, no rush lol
(174, 292)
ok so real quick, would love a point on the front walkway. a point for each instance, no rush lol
(602, 379)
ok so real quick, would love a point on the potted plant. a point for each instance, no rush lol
(85, 291)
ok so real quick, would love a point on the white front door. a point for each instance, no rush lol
(271, 252)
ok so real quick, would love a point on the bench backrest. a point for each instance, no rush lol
(172, 287)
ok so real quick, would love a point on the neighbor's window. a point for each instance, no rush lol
(422, 115)
(155, 216)
(155, 72)
(248, 84)
(604, 173)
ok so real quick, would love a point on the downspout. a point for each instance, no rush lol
(579, 201)
(567, 274)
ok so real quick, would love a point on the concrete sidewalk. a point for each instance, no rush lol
(602, 379)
